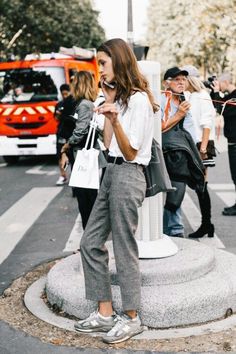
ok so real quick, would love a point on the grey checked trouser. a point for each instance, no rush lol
(116, 209)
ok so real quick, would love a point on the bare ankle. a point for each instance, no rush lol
(131, 313)
(105, 308)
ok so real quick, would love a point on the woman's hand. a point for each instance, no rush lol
(203, 155)
(109, 93)
(110, 111)
(64, 160)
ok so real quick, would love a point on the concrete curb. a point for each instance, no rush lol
(38, 308)
(193, 287)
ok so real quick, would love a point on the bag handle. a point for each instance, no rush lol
(92, 130)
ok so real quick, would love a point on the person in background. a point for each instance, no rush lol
(225, 85)
(63, 111)
(18, 91)
(84, 92)
(129, 110)
(175, 81)
(204, 115)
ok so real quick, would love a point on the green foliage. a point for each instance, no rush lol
(200, 32)
(49, 24)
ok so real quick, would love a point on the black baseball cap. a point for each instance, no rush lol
(173, 72)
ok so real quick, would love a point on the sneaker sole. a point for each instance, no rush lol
(91, 330)
(123, 339)
(226, 214)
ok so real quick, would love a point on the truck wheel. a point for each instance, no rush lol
(11, 160)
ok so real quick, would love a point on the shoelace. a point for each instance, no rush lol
(91, 316)
(120, 321)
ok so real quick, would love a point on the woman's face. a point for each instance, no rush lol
(188, 86)
(105, 67)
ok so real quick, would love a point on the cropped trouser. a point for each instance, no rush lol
(116, 209)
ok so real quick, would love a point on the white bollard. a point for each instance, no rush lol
(152, 243)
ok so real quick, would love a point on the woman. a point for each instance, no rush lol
(128, 134)
(203, 114)
(84, 91)
(63, 110)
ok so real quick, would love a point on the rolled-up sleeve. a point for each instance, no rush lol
(207, 111)
(139, 114)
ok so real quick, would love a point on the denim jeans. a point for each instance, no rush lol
(172, 222)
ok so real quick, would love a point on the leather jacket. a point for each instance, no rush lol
(182, 158)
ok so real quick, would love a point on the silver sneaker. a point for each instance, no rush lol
(124, 329)
(95, 323)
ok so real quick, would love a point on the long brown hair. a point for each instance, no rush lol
(127, 74)
(83, 86)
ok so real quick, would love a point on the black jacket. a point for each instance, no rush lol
(182, 158)
(229, 114)
(66, 122)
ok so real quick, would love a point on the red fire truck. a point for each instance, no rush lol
(29, 91)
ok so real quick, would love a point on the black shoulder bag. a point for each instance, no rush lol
(156, 174)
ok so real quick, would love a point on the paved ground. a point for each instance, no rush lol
(44, 239)
(22, 333)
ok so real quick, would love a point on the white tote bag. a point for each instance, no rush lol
(85, 172)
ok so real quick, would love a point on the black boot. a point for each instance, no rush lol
(230, 211)
(203, 230)
(206, 228)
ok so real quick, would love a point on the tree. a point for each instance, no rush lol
(49, 24)
(200, 32)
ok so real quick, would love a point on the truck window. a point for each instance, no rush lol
(31, 85)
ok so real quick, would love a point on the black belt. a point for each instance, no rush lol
(119, 160)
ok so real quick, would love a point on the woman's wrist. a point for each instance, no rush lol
(115, 123)
(62, 153)
(203, 150)
(65, 148)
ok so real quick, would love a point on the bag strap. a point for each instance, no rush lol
(92, 130)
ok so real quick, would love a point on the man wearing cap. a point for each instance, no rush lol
(175, 111)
